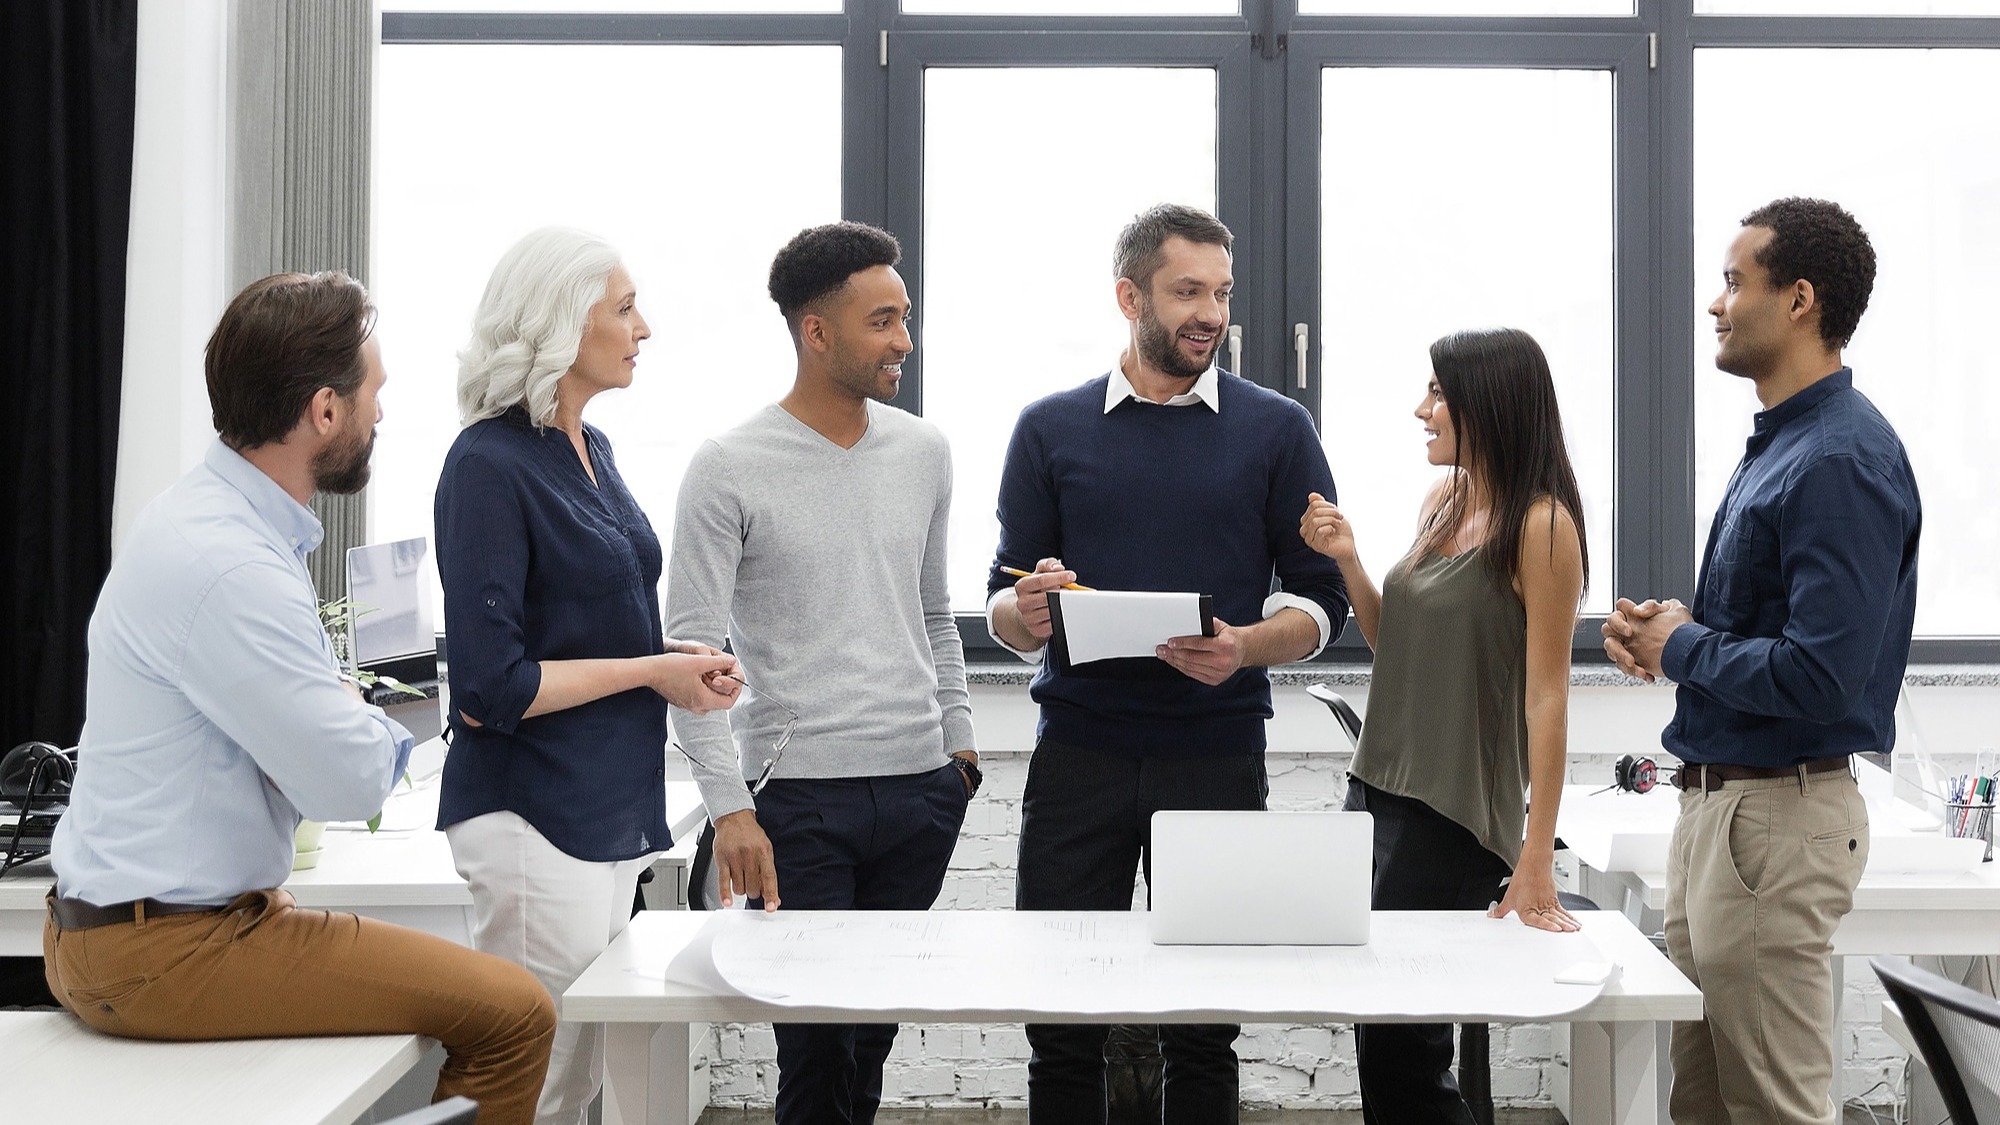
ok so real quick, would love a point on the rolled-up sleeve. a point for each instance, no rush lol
(483, 556)
(1308, 581)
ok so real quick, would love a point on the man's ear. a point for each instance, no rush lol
(1804, 300)
(813, 333)
(1130, 299)
(323, 412)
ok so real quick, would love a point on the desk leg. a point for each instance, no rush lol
(1614, 1074)
(646, 1074)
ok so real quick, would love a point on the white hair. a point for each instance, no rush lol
(530, 323)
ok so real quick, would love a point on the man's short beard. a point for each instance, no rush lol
(343, 469)
(1157, 346)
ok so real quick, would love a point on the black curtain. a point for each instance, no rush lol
(68, 73)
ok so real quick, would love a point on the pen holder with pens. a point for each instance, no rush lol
(1971, 820)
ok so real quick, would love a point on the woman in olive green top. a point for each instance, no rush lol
(1469, 702)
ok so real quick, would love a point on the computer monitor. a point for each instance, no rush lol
(392, 627)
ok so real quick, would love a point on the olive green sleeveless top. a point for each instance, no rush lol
(1447, 716)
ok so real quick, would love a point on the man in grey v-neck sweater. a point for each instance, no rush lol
(825, 567)
(812, 537)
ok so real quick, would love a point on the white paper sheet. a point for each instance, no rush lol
(1103, 624)
(1066, 963)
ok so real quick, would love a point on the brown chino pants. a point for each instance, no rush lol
(265, 969)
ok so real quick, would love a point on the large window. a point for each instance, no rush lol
(1018, 287)
(1392, 169)
(1457, 199)
(1928, 194)
(698, 162)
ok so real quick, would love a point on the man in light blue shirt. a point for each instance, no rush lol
(215, 716)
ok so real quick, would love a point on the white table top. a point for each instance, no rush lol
(1975, 890)
(357, 871)
(1619, 832)
(61, 1070)
(629, 982)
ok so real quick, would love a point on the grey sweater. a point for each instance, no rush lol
(825, 568)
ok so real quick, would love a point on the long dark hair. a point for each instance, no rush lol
(1496, 383)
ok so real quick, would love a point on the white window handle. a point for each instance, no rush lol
(1301, 344)
(1236, 349)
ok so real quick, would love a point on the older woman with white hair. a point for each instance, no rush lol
(553, 795)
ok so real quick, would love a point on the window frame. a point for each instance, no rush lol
(1268, 58)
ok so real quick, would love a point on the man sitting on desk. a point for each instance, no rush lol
(1788, 663)
(216, 716)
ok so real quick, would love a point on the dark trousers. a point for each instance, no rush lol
(853, 843)
(1423, 861)
(1086, 826)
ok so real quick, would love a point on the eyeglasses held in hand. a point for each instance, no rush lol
(777, 749)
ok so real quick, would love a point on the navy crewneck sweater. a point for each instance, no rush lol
(1151, 497)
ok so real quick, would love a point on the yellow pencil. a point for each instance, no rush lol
(1030, 574)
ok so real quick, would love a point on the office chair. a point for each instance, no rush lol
(1475, 1048)
(1958, 1031)
(451, 1111)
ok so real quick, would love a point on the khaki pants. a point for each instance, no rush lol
(1759, 874)
(265, 969)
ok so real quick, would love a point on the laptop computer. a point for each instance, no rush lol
(1207, 866)
(392, 630)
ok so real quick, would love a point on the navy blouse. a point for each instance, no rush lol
(539, 564)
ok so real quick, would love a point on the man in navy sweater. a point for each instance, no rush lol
(1164, 474)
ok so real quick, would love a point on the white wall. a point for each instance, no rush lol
(174, 290)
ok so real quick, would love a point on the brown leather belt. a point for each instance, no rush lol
(1710, 777)
(75, 914)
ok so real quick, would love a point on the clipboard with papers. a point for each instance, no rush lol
(1092, 625)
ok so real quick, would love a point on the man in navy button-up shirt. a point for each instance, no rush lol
(1788, 662)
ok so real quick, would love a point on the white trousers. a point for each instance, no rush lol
(552, 914)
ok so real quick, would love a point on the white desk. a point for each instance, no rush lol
(1947, 913)
(1955, 913)
(61, 1070)
(1614, 1067)
(405, 877)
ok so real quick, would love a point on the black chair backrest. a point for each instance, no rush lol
(1343, 711)
(1958, 1031)
(451, 1111)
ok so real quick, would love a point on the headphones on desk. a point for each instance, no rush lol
(36, 771)
(1634, 774)
(35, 778)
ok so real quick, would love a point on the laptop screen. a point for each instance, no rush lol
(392, 617)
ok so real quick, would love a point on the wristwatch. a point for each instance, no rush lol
(971, 772)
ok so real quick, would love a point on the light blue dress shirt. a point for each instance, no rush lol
(214, 714)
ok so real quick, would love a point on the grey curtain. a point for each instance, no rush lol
(301, 82)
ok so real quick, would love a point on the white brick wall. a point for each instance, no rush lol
(1297, 1066)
